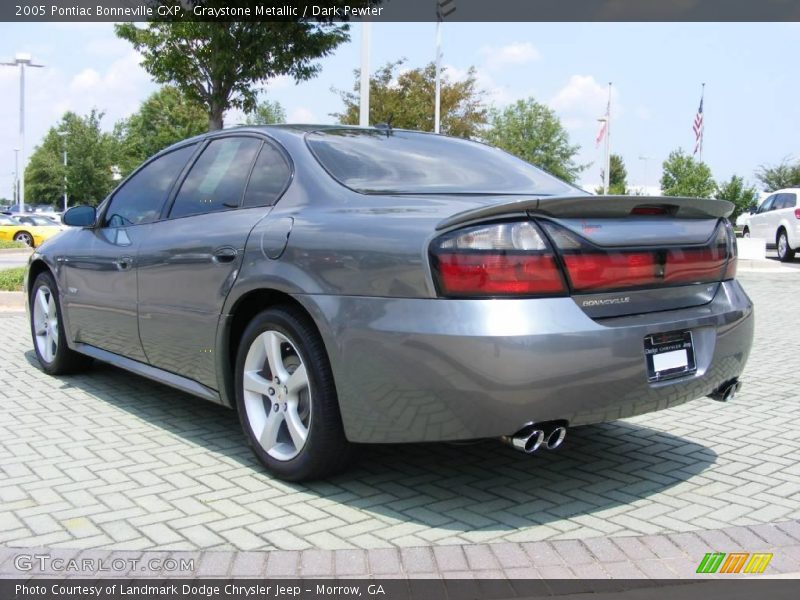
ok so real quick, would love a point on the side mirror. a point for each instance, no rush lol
(80, 216)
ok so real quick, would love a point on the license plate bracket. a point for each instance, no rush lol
(669, 355)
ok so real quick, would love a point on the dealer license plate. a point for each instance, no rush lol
(669, 355)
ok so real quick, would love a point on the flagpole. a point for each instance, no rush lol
(438, 99)
(703, 124)
(363, 117)
(608, 143)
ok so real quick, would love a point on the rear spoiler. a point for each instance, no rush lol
(585, 207)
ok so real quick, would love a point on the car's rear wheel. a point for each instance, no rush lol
(24, 237)
(286, 397)
(785, 252)
(746, 233)
(47, 330)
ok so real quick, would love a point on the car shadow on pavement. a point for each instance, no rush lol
(467, 487)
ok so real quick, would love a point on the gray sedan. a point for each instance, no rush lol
(341, 285)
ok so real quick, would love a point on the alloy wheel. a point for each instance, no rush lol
(45, 323)
(783, 245)
(277, 395)
(25, 238)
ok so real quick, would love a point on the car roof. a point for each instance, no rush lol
(277, 131)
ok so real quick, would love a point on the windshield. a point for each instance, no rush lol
(407, 162)
(42, 221)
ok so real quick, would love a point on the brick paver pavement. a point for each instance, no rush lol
(109, 462)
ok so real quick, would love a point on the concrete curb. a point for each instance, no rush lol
(667, 556)
(16, 250)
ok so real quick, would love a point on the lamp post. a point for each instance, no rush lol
(64, 135)
(16, 176)
(645, 159)
(22, 60)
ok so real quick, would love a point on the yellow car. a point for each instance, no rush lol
(31, 230)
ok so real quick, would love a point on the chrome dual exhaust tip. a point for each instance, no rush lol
(727, 391)
(532, 437)
(556, 437)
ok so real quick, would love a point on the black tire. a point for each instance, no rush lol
(326, 450)
(785, 252)
(24, 237)
(64, 361)
(745, 233)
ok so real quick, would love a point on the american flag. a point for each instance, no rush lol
(698, 128)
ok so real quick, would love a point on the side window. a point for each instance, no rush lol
(141, 198)
(785, 201)
(767, 204)
(269, 178)
(217, 180)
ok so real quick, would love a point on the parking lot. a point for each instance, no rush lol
(111, 461)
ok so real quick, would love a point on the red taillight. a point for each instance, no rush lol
(500, 259)
(694, 265)
(516, 259)
(597, 271)
(485, 274)
(797, 213)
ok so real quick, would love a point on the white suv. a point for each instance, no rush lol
(777, 220)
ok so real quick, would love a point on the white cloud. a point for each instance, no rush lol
(583, 100)
(515, 54)
(301, 115)
(85, 80)
(497, 94)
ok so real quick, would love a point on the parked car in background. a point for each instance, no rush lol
(777, 221)
(340, 284)
(31, 230)
(41, 220)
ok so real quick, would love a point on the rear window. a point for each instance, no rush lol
(405, 162)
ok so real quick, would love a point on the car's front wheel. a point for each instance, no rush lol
(286, 397)
(746, 233)
(47, 330)
(785, 252)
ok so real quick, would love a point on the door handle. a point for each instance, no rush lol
(124, 263)
(225, 255)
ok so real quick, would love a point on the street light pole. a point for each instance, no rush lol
(63, 135)
(645, 159)
(16, 176)
(22, 60)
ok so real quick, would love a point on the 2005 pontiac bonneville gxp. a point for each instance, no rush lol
(339, 285)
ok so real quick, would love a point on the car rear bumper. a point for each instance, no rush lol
(411, 370)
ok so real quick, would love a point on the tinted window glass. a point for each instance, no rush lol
(269, 178)
(419, 163)
(767, 205)
(7, 220)
(216, 181)
(784, 201)
(141, 198)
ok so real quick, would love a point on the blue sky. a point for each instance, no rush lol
(752, 88)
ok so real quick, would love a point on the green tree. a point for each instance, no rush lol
(533, 132)
(164, 118)
(782, 175)
(220, 64)
(735, 190)
(406, 100)
(90, 153)
(619, 177)
(266, 113)
(684, 176)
